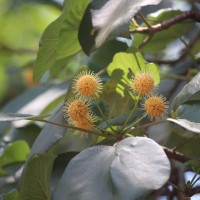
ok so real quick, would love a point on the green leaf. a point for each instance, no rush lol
(191, 126)
(161, 39)
(14, 153)
(190, 91)
(122, 62)
(14, 116)
(35, 180)
(13, 195)
(123, 171)
(60, 39)
(190, 111)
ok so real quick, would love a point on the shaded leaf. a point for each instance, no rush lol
(191, 126)
(189, 92)
(13, 195)
(35, 181)
(190, 111)
(14, 153)
(123, 171)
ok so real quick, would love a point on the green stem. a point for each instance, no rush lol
(104, 118)
(150, 124)
(128, 118)
(131, 125)
(144, 19)
(70, 127)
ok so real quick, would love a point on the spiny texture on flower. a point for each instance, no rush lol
(76, 109)
(87, 84)
(143, 83)
(155, 106)
(86, 123)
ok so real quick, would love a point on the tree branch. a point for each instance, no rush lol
(176, 155)
(168, 23)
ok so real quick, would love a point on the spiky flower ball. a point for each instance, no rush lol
(76, 109)
(143, 83)
(86, 123)
(87, 84)
(155, 106)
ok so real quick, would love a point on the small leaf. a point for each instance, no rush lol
(128, 170)
(189, 92)
(14, 116)
(191, 126)
(35, 180)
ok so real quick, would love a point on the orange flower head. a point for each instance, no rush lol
(76, 109)
(143, 83)
(155, 106)
(87, 85)
(86, 123)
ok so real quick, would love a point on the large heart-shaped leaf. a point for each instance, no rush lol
(128, 170)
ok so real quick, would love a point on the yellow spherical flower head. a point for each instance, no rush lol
(76, 109)
(87, 85)
(143, 83)
(155, 106)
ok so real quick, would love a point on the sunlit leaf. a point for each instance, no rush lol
(128, 170)
(123, 62)
(12, 195)
(35, 181)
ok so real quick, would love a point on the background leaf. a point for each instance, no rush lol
(189, 91)
(123, 171)
(35, 181)
(191, 126)
(60, 39)
(122, 62)
(15, 152)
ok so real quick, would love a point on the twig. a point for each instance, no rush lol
(185, 142)
(168, 23)
(176, 155)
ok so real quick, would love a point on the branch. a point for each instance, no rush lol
(176, 155)
(16, 51)
(168, 23)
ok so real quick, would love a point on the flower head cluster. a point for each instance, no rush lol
(77, 111)
(144, 85)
